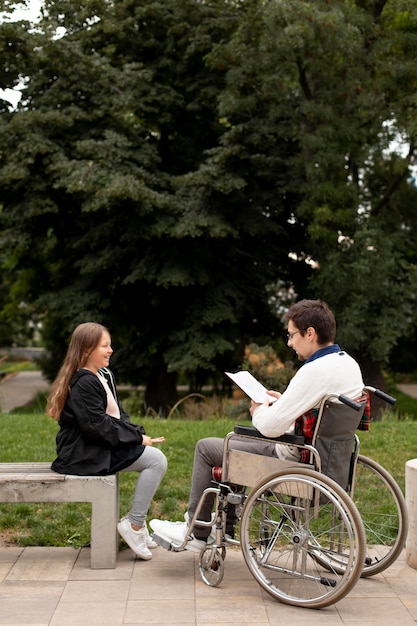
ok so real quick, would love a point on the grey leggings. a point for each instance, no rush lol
(151, 465)
(209, 453)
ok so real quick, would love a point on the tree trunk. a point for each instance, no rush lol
(372, 376)
(161, 391)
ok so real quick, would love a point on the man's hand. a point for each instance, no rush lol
(266, 402)
(274, 394)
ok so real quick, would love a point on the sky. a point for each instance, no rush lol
(31, 13)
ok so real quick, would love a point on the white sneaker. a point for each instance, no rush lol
(212, 536)
(135, 539)
(150, 543)
(177, 532)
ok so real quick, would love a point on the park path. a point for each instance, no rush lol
(410, 390)
(19, 389)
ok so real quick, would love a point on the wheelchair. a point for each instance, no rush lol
(307, 530)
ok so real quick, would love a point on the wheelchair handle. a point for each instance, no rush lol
(385, 396)
(349, 402)
(381, 394)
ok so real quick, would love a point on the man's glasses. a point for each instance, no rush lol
(291, 335)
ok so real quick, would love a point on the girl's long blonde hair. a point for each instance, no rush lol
(84, 340)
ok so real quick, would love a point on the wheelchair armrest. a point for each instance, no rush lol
(251, 431)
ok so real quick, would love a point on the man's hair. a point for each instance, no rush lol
(314, 313)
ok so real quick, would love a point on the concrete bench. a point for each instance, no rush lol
(411, 501)
(36, 482)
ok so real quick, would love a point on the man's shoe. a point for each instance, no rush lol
(177, 533)
(212, 536)
(135, 539)
(150, 543)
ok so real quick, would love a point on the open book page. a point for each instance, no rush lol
(252, 387)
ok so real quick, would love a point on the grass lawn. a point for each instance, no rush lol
(31, 437)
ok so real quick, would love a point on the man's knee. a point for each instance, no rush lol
(210, 449)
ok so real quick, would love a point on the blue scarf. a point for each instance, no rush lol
(323, 352)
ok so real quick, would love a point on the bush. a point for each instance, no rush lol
(267, 367)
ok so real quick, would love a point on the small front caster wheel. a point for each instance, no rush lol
(211, 566)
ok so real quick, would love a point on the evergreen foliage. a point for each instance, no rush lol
(178, 170)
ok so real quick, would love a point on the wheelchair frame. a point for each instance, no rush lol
(305, 539)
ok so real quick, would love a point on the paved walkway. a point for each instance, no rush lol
(410, 390)
(20, 389)
(56, 587)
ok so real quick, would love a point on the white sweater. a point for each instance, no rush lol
(333, 373)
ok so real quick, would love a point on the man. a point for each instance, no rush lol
(326, 369)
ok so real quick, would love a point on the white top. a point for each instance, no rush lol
(112, 406)
(333, 373)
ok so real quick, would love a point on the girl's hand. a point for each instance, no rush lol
(148, 441)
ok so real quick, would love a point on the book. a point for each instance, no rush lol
(252, 387)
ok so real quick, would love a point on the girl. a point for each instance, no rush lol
(96, 436)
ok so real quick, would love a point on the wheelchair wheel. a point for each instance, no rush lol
(383, 510)
(211, 565)
(294, 527)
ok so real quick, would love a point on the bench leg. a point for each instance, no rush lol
(104, 537)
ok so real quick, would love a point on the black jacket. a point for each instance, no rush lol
(91, 442)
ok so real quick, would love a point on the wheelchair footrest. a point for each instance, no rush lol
(165, 543)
